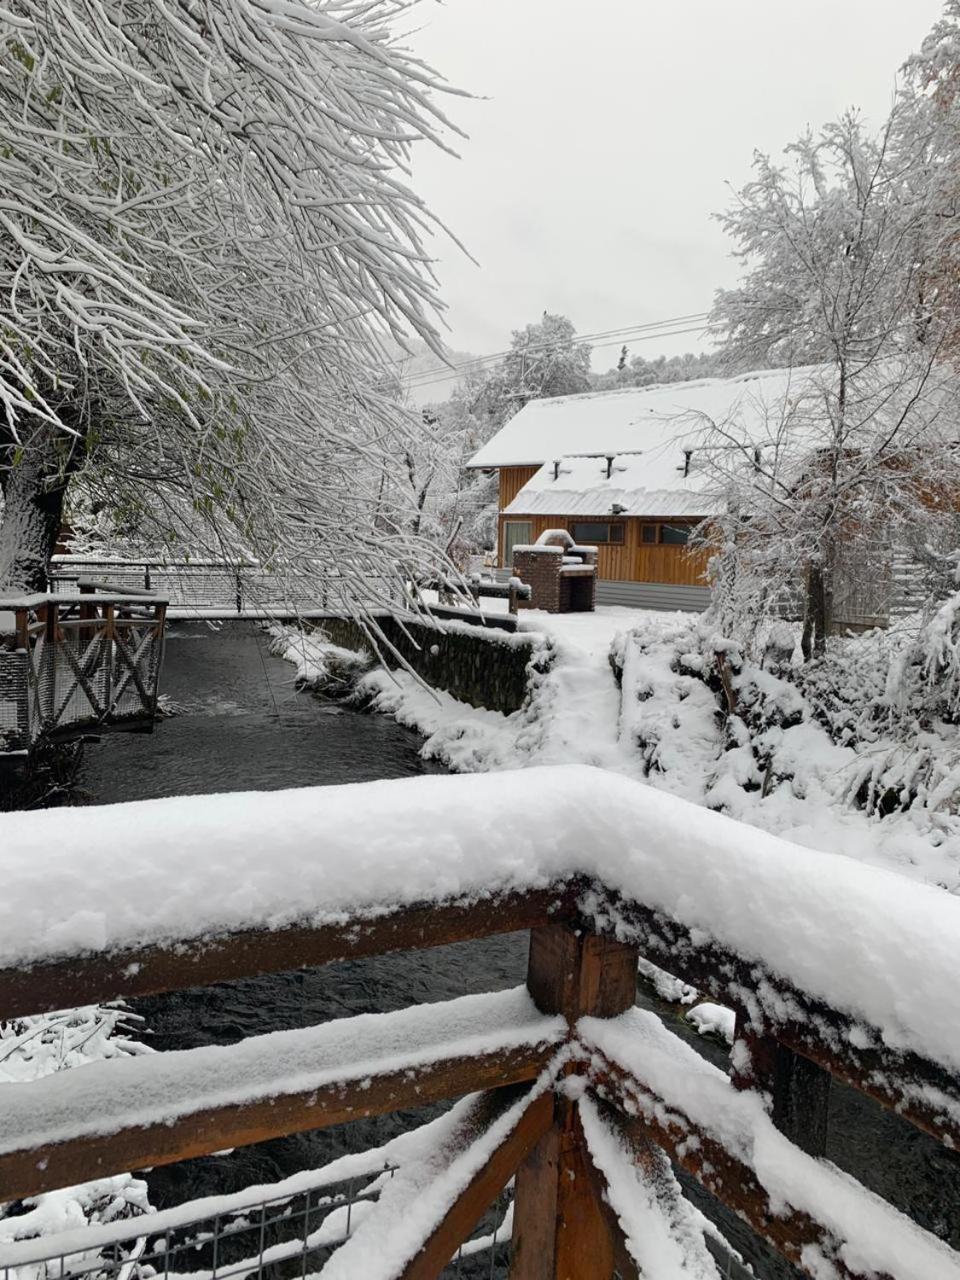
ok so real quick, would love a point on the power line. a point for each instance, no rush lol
(425, 377)
(454, 373)
(626, 331)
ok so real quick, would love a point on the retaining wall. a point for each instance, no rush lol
(485, 668)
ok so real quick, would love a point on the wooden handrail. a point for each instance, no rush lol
(581, 980)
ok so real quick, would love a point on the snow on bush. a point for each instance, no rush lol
(856, 750)
(40, 1046)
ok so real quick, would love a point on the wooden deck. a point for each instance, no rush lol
(72, 662)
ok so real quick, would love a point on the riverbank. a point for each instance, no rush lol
(638, 693)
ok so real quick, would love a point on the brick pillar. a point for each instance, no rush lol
(590, 558)
(540, 567)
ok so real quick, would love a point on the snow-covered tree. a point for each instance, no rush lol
(206, 235)
(929, 127)
(861, 452)
(639, 371)
(834, 245)
(544, 360)
(426, 489)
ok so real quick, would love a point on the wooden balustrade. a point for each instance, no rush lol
(543, 1057)
(77, 661)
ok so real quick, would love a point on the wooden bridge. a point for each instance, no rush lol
(75, 661)
(582, 1099)
(202, 588)
(225, 589)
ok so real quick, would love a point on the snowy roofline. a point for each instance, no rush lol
(524, 431)
(866, 941)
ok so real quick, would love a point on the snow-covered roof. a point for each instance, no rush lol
(651, 419)
(642, 485)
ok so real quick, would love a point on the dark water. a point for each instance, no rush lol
(241, 724)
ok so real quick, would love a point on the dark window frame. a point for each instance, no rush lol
(610, 525)
(658, 526)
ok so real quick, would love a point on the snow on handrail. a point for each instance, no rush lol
(119, 595)
(877, 947)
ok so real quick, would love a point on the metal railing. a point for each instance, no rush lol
(71, 661)
(228, 587)
(538, 1077)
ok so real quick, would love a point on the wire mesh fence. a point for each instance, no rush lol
(285, 1237)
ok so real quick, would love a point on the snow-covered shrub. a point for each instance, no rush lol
(39, 1046)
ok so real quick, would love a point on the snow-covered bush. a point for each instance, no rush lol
(39, 1046)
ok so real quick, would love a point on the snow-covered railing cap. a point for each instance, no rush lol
(825, 960)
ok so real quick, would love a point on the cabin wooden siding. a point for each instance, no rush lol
(631, 560)
(512, 480)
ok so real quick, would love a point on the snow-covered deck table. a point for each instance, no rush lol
(834, 969)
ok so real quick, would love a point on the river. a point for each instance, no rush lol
(240, 724)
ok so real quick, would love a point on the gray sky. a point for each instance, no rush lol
(608, 134)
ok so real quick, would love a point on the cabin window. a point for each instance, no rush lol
(588, 532)
(671, 535)
(677, 535)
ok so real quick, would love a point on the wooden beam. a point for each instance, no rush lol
(901, 1081)
(560, 1229)
(30, 1171)
(724, 1175)
(483, 1188)
(798, 1089)
(80, 980)
(576, 973)
(584, 1247)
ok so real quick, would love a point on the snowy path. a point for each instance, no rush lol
(573, 714)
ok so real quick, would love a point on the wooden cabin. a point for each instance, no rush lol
(624, 471)
(618, 470)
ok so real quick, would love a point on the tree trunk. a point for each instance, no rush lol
(813, 642)
(33, 480)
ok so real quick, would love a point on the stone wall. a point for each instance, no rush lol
(484, 667)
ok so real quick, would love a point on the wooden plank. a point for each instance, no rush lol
(724, 1175)
(585, 1247)
(534, 1211)
(576, 973)
(798, 1089)
(560, 1230)
(902, 1081)
(482, 1189)
(27, 1172)
(80, 980)
(512, 480)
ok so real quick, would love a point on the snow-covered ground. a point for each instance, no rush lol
(664, 726)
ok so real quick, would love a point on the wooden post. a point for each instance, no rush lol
(49, 658)
(799, 1090)
(109, 655)
(560, 1228)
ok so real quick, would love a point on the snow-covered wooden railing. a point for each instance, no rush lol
(835, 969)
(72, 661)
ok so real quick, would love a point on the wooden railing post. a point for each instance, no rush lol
(560, 1228)
(798, 1089)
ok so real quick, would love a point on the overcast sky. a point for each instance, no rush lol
(608, 134)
